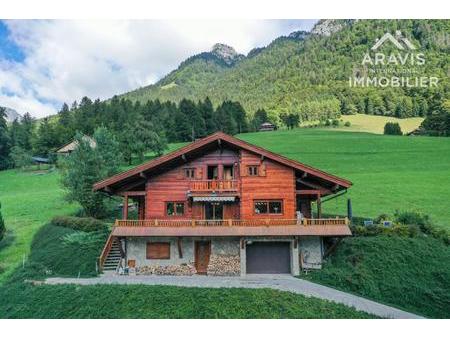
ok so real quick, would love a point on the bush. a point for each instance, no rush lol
(406, 224)
(86, 224)
(2, 224)
(381, 218)
(347, 124)
(335, 123)
(412, 218)
(392, 128)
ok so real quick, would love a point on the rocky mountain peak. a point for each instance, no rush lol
(226, 53)
(298, 35)
(328, 27)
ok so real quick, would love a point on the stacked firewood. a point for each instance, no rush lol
(173, 270)
(224, 265)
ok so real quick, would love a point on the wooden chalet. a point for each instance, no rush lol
(221, 206)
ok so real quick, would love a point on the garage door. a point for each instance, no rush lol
(268, 257)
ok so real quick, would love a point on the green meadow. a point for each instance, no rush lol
(388, 173)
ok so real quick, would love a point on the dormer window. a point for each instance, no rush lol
(189, 173)
(253, 170)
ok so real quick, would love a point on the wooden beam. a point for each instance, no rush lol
(319, 207)
(180, 248)
(134, 193)
(308, 192)
(315, 186)
(132, 185)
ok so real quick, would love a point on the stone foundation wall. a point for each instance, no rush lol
(224, 259)
(173, 270)
(224, 265)
(311, 252)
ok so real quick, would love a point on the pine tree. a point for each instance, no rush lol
(87, 165)
(25, 137)
(4, 141)
(207, 112)
(46, 140)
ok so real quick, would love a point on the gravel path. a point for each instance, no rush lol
(278, 282)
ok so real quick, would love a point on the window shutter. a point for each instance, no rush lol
(199, 173)
(262, 169)
(158, 250)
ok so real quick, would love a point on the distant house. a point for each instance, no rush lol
(221, 206)
(40, 160)
(69, 147)
(267, 126)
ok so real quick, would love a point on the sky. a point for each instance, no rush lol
(44, 63)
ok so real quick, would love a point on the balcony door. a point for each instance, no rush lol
(213, 172)
(214, 211)
(228, 172)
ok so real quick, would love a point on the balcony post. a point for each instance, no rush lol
(125, 207)
(319, 206)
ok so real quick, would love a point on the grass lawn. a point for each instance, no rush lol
(28, 200)
(411, 273)
(388, 172)
(375, 124)
(61, 251)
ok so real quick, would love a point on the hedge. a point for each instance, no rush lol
(86, 224)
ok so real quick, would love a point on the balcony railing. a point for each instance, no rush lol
(230, 222)
(214, 185)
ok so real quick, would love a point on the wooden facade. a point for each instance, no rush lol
(221, 187)
(222, 178)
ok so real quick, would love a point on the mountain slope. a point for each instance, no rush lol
(309, 73)
(11, 114)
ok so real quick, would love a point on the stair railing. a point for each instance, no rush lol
(105, 252)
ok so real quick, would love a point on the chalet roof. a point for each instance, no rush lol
(197, 148)
(69, 147)
(315, 230)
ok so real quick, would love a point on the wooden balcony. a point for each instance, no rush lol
(178, 223)
(213, 185)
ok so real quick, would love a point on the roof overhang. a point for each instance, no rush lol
(137, 176)
(316, 230)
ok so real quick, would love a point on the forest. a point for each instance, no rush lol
(308, 73)
(137, 127)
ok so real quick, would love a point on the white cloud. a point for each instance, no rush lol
(66, 60)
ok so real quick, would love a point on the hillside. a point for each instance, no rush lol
(11, 114)
(413, 273)
(308, 73)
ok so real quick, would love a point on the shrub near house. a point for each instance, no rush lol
(2, 224)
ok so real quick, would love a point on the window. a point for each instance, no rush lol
(213, 172)
(228, 172)
(158, 250)
(268, 207)
(252, 170)
(174, 208)
(189, 173)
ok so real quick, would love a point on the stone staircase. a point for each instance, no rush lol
(113, 258)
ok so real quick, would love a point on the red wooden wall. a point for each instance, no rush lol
(275, 182)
